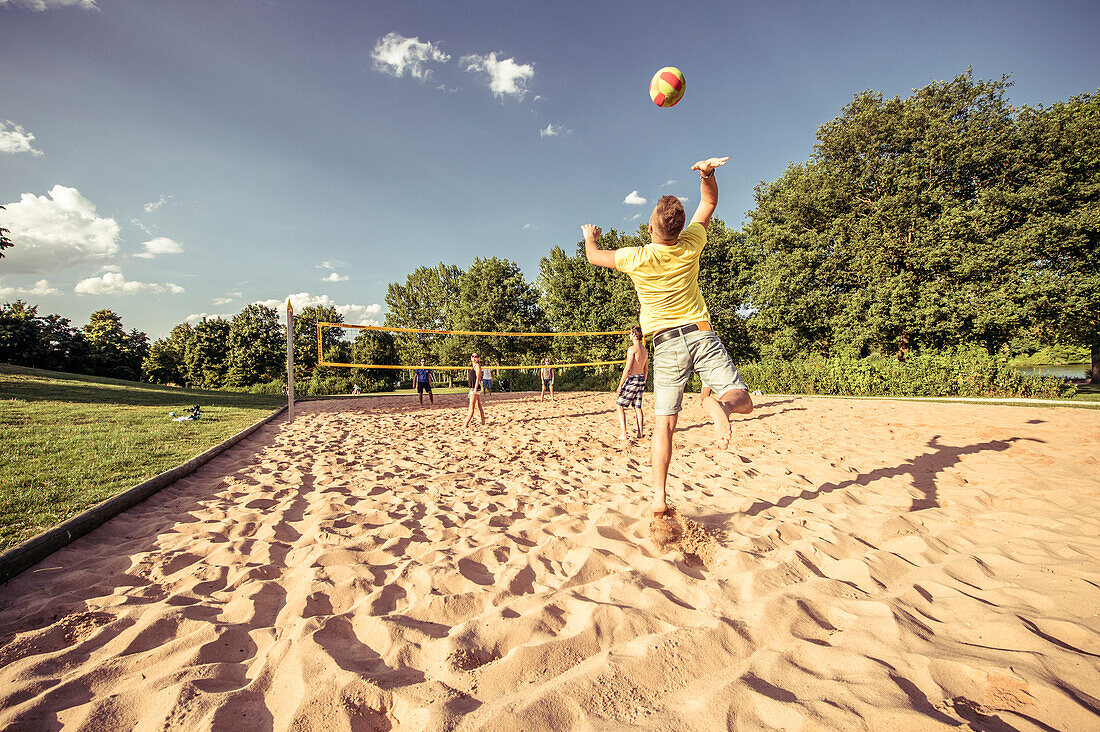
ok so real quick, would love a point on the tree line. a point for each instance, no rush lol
(945, 221)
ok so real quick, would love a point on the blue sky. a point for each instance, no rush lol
(170, 159)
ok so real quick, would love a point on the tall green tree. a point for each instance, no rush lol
(207, 355)
(374, 346)
(495, 297)
(113, 351)
(1061, 236)
(20, 333)
(256, 348)
(578, 297)
(305, 337)
(163, 364)
(427, 300)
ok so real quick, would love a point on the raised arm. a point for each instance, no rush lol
(596, 256)
(708, 189)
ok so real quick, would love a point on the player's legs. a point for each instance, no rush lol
(639, 419)
(671, 370)
(719, 376)
(470, 412)
(661, 453)
(622, 422)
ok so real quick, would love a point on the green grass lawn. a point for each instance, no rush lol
(68, 442)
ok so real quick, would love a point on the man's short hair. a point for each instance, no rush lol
(670, 216)
(636, 332)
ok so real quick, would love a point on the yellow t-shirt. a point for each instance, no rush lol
(667, 279)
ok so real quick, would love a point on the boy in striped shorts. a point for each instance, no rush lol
(632, 383)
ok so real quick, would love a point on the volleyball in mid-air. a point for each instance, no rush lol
(667, 86)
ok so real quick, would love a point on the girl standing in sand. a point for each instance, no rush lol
(632, 383)
(473, 378)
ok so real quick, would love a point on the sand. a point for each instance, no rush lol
(844, 565)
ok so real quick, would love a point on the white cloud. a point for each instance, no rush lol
(335, 277)
(334, 264)
(228, 299)
(14, 139)
(112, 282)
(160, 245)
(41, 5)
(55, 231)
(634, 199)
(40, 288)
(506, 77)
(196, 317)
(553, 130)
(668, 183)
(397, 55)
(353, 314)
(528, 226)
(683, 199)
(153, 206)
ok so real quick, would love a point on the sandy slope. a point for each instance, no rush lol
(846, 565)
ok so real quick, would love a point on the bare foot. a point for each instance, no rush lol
(659, 508)
(722, 433)
(623, 436)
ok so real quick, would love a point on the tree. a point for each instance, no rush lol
(20, 333)
(163, 364)
(902, 232)
(578, 297)
(5, 241)
(206, 359)
(726, 269)
(305, 336)
(1061, 236)
(64, 348)
(494, 297)
(256, 348)
(375, 346)
(427, 301)
(113, 351)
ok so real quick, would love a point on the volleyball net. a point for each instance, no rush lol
(461, 341)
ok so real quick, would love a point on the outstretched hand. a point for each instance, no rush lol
(706, 167)
(591, 230)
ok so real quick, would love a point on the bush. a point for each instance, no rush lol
(965, 374)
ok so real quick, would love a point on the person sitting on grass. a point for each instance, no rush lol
(632, 383)
(665, 274)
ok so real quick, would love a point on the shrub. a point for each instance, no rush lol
(964, 373)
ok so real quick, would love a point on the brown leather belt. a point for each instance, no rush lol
(663, 335)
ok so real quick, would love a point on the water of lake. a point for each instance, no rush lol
(1065, 370)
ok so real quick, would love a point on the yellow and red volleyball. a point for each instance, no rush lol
(667, 86)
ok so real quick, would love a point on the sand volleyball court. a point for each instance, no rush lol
(845, 565)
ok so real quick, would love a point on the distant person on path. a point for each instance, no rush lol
(547, 380)
(665, 274)
(487, 380)
(632, 383)
(424, 382)
(473, 378)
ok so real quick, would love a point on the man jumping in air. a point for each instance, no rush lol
(665, 274)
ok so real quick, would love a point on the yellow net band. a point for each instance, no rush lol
(472, 332)
(466, 366)
(322, 362)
